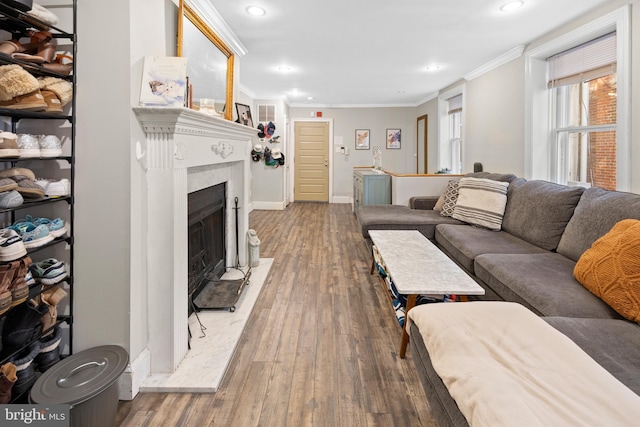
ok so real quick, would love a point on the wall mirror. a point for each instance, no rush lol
(209, 63)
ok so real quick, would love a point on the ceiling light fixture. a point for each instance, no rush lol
(284, 69)
(511, 6)
(256, 11)
(433, 68)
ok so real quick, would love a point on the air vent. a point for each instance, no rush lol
(266, 113)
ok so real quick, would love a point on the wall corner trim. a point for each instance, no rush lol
(510, 55)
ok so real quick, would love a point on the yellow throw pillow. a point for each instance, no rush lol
(610, 269)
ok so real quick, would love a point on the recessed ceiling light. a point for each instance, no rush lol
(511, 6)
(284, 69)
(256, 11)
(310, 98)
(433, 68)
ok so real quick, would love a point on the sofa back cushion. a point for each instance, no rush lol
(538, 211)
(597, 212)
(504, 177)
(610, 269)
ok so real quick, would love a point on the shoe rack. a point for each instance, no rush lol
(18, 23)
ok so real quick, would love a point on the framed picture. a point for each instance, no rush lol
(393, 139)
(362, 139)
(244, 115)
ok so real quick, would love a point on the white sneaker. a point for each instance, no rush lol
(50, 146)
(28, 145)
(55, 188)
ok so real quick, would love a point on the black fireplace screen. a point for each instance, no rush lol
(207, 212)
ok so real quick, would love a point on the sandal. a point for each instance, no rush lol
(57, 66)
(14, 49)
(41, 48)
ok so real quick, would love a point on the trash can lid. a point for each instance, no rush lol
(81, 376)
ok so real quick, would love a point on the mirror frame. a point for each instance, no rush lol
(186, 12)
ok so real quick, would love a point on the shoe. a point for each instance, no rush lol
(62, 88)
(19, 287)
(11, 245)
(10, 199)
(56, 226)
(32, 101)
(27, 187)
(25, 368)
(33, 236)
(28, 146)
(9, 145)
(53, 103)
(50, 146)
(22, 326)
(49, 349)
(55, 188)
(51, 297)
(11, 172)
(60, 67)
(7, 274)
(49, 271)
(8, 378)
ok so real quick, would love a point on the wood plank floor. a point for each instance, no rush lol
(321, 346)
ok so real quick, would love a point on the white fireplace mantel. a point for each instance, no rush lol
(184, 151)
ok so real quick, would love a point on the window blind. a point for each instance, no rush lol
(585, 62)
(455, 104)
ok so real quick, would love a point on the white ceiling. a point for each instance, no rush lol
(375, 53)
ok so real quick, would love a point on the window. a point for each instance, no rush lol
(583, 98)
(450, 146)
(578, 110)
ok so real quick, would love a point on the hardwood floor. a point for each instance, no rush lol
(321, 346)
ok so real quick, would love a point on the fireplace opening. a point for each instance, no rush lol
(207, 248)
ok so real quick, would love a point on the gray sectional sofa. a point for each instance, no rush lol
(530, 261)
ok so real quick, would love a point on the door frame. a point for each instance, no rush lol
(292, 153)
(422, 141)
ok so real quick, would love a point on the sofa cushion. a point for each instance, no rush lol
(481, 202)
(610, 269)
(539, 211)
(464, 243)
(505, 177)
(450, 198)
(612, 343)
(596, 213)
(398, 217)
(543, 283)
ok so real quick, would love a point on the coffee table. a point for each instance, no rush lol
(418, 267)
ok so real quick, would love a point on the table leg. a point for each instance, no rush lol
(411, 302)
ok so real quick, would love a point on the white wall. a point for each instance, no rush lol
(377, 120)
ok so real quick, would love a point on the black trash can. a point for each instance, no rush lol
(88, 381)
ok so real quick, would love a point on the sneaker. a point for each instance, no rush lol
(9, 145)
(10, 199)
(56, 226)
(11, 245)
(49, 271)
(28, 145)
(33, 235)
(50, 146)
(55, 188)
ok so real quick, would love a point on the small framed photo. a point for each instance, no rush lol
(362, 139)
(244, 115)
(393, 139)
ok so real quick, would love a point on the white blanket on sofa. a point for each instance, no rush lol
(504, 366)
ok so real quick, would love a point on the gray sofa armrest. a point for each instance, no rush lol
(423, 202)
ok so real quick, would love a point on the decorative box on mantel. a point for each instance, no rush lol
(185, 151)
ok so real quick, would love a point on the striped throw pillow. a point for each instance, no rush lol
(481, 202)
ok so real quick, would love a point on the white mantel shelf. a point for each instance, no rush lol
(185, 151)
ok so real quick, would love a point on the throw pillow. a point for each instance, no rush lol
(481, 202)
(440, 203)
(610, 268)
(450, 198)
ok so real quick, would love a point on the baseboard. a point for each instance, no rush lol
(133, 376)
(268, 206)
(341, 199)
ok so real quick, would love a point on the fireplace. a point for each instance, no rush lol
(207, 249)
(184, 151)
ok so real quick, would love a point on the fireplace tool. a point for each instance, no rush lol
(224, 293)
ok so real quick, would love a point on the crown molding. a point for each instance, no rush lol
(211, 16)
(510, 55)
